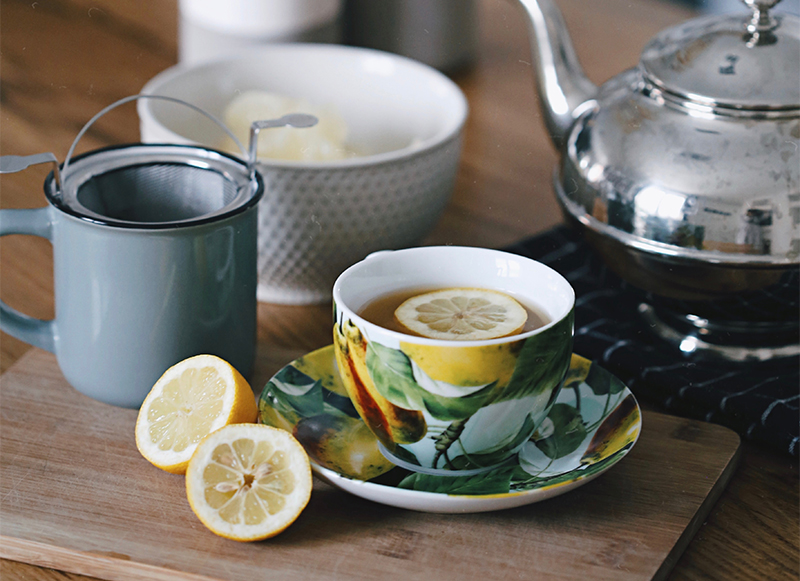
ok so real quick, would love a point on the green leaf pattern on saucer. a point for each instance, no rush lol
(593, 424)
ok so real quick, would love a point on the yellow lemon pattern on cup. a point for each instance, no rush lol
(465, 366)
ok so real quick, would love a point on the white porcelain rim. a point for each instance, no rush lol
(377, 331)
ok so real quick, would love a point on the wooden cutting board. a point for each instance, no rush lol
(76, 496)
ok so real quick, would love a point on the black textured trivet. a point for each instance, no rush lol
(759, 400)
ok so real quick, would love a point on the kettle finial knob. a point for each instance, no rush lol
(762, 20)
(761, 23)
(761, 4)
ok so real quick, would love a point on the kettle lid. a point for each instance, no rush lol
(741, 63)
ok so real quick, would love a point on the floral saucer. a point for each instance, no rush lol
(592, 426)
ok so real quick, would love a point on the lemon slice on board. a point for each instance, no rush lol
(248, 482)
(462, 314)
(192, 399)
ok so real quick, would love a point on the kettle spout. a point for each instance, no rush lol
(560, 81)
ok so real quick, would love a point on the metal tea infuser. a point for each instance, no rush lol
(154, 258)
(154, 170)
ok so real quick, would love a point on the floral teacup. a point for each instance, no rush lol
(452, 407)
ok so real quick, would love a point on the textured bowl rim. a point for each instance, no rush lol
(144, 106)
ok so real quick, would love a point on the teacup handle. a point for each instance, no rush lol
(35, 222)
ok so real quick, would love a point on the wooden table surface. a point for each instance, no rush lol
(61, 61)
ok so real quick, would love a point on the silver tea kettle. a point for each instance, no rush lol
(684, 171)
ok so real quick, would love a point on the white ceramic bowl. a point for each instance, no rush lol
(316, 219)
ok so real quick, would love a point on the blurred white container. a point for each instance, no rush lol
(316, 219)
(210, 29)
(439, 33)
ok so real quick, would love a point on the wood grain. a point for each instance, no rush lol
(61, 61)
(76, 495)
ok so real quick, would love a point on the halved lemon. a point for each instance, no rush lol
(192, 399)
(462, 314)
(248, 482)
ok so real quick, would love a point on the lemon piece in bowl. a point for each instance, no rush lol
(462, 314)
(189, 401)
(248, 482)
(326, 141)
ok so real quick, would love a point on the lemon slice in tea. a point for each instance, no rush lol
(462, 314)
(248, 482)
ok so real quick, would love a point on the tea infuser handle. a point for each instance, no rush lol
(298, 120)
(15, 163)
(292, 120)
(35, 222)
(130, 98)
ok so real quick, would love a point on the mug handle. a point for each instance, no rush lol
(36, 222)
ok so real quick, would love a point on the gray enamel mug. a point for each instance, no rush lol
(154, 253)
